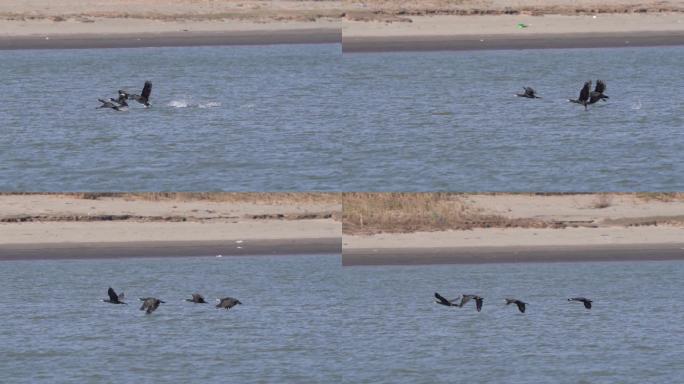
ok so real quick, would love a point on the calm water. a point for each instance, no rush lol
(306, 117)
(395, 334)
(56, 329)
(224, 118)
(449, 121)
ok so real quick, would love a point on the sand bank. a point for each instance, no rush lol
(37, 24)
(185, 38)
(101, 250)
(512, 228)
(67, 226)
(427, 33)
(481, 255)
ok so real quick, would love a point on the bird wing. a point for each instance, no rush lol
(478, 304)
(600, 86)
(147, 90)
(594, 97)
(441, 299)
(584, 93)
(112, 295)
(521, 306)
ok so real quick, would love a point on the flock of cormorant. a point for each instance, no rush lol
(150, 304)
(586, 96)
(121, 103)
(439, 299)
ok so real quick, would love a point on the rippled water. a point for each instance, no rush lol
(396, 334)
(306, 117)
(305, 319)
(425, 121)
(56, 329)
(236, 118)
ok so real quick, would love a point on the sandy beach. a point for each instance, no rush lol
(38, 24)
(378, 25)
(525, 227)
(70, 226)
(361, 25)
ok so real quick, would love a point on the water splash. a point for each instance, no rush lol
(190, 104)
(178, 104)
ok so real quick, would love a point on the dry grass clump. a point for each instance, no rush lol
(275, 198)
(371, 213)
(502, 7)
(666, 197)
(603, 200)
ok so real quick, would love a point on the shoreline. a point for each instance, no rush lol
(173, 39)
(468, 42)
(517, 254)
(147, 249)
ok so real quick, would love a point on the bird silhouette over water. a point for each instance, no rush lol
(196, 298)
(227, 302)
(113, 104)
(521, 305)
(478, 301)
(529, 93)
(113, 297)
(583, 98)
(122, 99)
(143, 98)
(150, 304)
(439, 299)
(597, 93)
(583, 300)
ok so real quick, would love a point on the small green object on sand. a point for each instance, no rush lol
(522, 25)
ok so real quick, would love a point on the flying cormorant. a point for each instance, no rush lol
(520, 304)
(113, 297)
(529, 93)
(584, 95)
(227, 303)
(583, 300)
(196, 298)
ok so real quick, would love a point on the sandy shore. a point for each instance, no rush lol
(361, 25)
(528, 254)
(598, 227)
(64, 226)
(175, 38)
(39, 24)
(102, 250)
(426, 33)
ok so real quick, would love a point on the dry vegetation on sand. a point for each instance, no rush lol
(283, 198)
(371, 213)
(498, 7)
(167, 207)
(264, 11)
